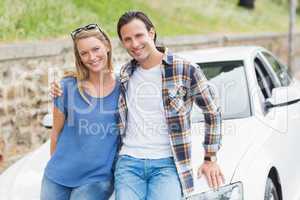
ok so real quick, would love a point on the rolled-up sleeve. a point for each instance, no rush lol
(204, 96)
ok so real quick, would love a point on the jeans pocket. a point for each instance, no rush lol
(120, 159)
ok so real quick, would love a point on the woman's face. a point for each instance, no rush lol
(93, 53)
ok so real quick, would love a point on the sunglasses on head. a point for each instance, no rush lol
(85, 28)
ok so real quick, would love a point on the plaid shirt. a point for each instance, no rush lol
(182, 84)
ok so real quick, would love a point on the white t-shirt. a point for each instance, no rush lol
(147, 130)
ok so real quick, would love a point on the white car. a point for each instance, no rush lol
(261, 121)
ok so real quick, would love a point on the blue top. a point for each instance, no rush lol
(87, 144)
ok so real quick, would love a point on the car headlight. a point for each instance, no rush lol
(228, 192)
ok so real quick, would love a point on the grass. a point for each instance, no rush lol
(43, 19)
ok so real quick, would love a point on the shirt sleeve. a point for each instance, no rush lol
(204, 96)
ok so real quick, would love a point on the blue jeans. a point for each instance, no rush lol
(146, 179)
(92, 191)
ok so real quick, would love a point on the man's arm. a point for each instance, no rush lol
(205, 97)
(55, 90)
(55, 87)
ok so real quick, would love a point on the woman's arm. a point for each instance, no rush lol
(58, 123)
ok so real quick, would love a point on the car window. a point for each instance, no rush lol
(262, 82)
(229, 78)
(268, 81)
(280, 70)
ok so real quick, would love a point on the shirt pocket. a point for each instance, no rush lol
(176, 99)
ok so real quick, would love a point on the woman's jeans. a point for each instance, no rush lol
(146, 179)
(92, 191)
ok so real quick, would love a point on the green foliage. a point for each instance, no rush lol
(42, 19)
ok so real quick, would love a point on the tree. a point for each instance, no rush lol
(249, 4)
(292, 28)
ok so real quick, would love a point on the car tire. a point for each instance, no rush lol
(271, 192)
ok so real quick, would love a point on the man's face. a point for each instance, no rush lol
(137, 40)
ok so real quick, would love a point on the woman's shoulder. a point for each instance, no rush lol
(69, 81)
(68, 84)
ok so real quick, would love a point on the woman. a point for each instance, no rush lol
(84, 136)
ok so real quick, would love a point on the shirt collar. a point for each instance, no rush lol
(168, 56)
(167, 61)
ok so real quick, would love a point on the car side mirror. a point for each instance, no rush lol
(283, 96)
(47, 121)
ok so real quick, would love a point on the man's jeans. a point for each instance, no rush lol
(146, 179)
(92, 191)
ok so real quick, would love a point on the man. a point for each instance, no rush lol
(158, 90)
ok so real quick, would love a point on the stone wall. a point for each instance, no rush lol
(27, 68)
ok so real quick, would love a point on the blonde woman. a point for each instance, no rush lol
(84, 136)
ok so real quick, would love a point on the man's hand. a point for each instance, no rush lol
(213, 174)
(55, 90)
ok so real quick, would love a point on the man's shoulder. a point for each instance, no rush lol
(181, 63)
(177, 60)
(125, 67)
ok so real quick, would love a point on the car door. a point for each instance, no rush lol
(273, 124)
(290, 116)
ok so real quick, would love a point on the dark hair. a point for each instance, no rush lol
(131, 15)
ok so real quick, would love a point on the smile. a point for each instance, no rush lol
(95, 63)
(138, 51)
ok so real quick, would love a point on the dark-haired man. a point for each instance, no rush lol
(158, 90)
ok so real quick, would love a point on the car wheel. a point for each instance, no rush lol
(271, 191)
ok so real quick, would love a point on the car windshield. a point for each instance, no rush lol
(229, 79)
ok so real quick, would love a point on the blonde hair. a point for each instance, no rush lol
(82, 72)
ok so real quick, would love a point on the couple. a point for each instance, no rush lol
(132, 132)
